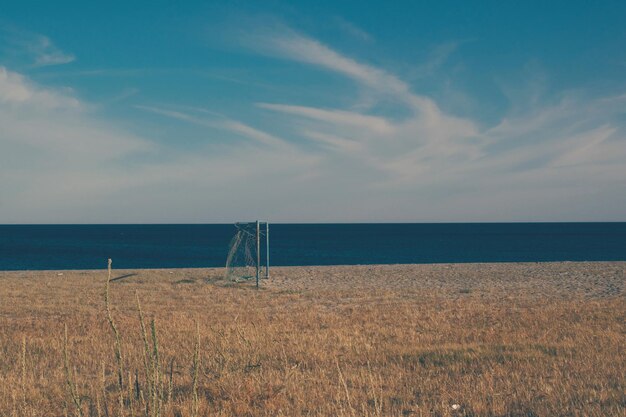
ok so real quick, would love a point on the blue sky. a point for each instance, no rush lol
(316, 111)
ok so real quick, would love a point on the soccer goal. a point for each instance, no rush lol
(249, 252)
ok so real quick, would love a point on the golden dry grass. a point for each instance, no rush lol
(494, 339)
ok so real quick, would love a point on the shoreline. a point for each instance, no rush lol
(549, 280)
(320, 266)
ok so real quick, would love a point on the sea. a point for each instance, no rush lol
(54, 247)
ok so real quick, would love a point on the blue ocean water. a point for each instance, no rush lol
(40, 247)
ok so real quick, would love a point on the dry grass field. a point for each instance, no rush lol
(412, 340)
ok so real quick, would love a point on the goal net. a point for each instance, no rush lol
(248, 252)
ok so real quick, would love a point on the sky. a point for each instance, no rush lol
(312, 111)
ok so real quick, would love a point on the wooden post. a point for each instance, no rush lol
(267, 250)
(258, 252)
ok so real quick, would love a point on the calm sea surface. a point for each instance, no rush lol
(206, 245)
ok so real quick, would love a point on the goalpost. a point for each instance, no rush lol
(249, 252)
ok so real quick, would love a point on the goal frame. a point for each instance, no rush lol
(261, 230)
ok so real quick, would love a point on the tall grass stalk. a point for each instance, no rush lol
(147, 357)
(23, 360)
(378, 403)
(118, 345)
(156, 369)
(170, 384)
(130, 395)
(345, 387)
(152, 366)
(68, 377)
(98, 408)
(103, 381)
(196, 359)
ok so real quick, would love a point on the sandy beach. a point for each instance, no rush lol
(447, 339)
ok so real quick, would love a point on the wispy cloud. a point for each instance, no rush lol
(375, 124)
(46, 53)
(54, 120)
(293, 45)
(223, 123)
(437, 57)
(352, 29)
(57, 153)
(554, 144)
(34, 49)
(173, 114)
(404, 148)
(16, 90)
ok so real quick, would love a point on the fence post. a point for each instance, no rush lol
(267, 250)
(258, 252)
